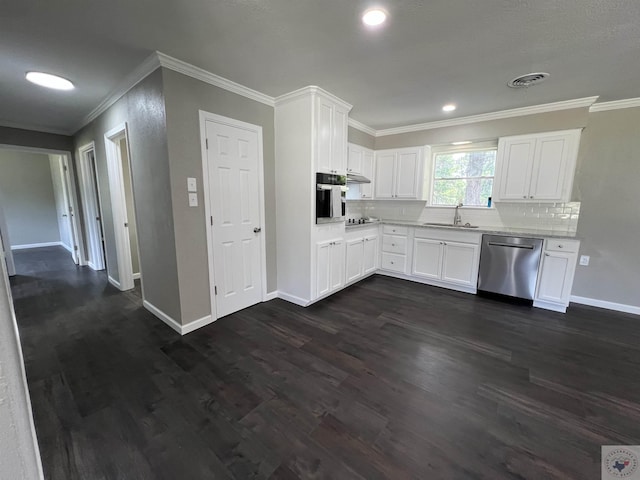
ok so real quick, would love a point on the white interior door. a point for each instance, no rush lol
(235, 206)
(5, 245)
(70, 207)
(91, 205)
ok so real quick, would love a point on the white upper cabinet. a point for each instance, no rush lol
(354, 160)
(366, 189)
(538, 167)
(360, 161)
(332, 123)
(399, 173)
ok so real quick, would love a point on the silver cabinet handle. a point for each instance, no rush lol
(126, 225)
(64, 214)
(524, 196)
(257, 230)
(560, 246)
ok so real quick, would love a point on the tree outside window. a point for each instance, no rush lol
(463, 177)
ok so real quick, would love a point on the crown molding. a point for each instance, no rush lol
(615, 105)
(515, 112)
(212, 79)
(310, 90)
(150, 64)
(35, 128)
(362, 127)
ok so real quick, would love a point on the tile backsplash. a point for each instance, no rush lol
(546, 216)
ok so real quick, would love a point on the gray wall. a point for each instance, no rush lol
(29, 138)
(184, 97)
(143, 110)
(541, 122)
(19, 455)
(361, 138)
(607, 183)
(26, 192)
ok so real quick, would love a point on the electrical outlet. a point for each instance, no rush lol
(192, 186)
(584, 260)
(193, 199)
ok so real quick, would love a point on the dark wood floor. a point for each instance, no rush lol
(387, 379)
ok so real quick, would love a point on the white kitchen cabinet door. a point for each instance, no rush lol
(407, 174)
(427, 258)
(370, 254)
(354, 159)
(514, 163)
(323, 267)
(460, 263)
(367, 170)
(385, 175)
(340, 125)
(550, 168)
(336, 260)
(556, 277)
(355, 259)
(324, 135)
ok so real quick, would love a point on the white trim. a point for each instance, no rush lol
(162, 316)
(35, 128)
(433, 283)
(618, 307)
(196, 324)
(114, 282)
(615, 105)
(206, 189)
(555, 307)
(270, 296)
(118, 207)
(310, 90)
(212, 79)
(91, 266)
(45, 151)
(483, 117)
(150, 64)
(88, 193)
(293, 299)
(136, 276)
(26, 246)
(181, 329)
(362, 127)
(66, 247)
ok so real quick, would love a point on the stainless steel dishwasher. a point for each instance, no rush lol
(509, 265)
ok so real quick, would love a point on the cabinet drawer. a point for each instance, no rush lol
(569, 246)
(393, 262)
(394, 244)
(395, 230)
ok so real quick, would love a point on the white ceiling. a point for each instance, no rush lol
(428, 54)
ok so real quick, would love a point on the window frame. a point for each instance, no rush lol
(449, 149)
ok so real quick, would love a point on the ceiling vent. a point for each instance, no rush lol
(528, 80)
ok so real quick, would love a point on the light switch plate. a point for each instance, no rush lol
(193, 199)
(192, 185)
(584, 260)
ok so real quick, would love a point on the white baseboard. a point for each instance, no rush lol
(434, 283)
(136, 276)
(619, 307)
(181, 329)
(196, 324)
(293, 299)
(66, 247)
(270, 296)
(162, 316)
(37, 245)
(550, 306)
(114, 282)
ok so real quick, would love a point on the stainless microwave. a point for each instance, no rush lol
(331, 192)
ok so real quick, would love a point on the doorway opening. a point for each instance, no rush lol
(123, 208)
(92, 205)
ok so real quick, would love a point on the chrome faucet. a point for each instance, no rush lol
(457, 218)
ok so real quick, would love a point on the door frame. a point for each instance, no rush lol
(119, 207)
(67, 159)
(87, 171)
(206, 189)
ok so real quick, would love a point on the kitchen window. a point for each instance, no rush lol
(463, 175)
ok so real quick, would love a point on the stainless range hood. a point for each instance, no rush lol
(355, 178)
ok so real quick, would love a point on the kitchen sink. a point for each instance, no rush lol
(436, 224)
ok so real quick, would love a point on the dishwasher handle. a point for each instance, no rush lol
(510, 245)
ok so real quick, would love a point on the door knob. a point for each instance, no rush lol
(257, 230)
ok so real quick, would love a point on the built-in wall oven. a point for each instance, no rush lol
(331, 191)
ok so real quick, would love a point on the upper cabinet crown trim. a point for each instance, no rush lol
(615, 105)
(311, 90)
(362, 127)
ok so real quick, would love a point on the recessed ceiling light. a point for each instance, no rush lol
(374, 17)
(449, 107)
(466, 142)
(49, 81)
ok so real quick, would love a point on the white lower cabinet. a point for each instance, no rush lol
(447, 261)
(362, 254)
(329, 266)
(555, 276)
